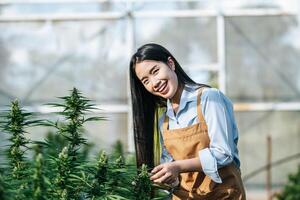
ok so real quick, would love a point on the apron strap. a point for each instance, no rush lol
(166, 123)
(199, 111)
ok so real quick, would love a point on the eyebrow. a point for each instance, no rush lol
(150, 72)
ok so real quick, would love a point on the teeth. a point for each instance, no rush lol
(162, 87)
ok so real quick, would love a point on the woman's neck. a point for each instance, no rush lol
(175, 100)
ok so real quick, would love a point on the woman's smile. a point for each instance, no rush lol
(164, 89)
(158, 78)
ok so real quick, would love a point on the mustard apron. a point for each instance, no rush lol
(185, 143)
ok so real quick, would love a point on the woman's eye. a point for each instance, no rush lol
(146, 82)
(155, 71)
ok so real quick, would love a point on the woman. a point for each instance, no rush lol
(186, 130)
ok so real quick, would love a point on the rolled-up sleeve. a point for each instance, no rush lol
(219, 125)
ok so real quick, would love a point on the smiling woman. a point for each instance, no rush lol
(157, 77)
(183, 129)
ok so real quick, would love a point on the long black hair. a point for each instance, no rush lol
(144, 103)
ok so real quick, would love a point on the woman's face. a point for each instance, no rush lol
(157, 77)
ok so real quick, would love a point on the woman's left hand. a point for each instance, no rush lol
(165, 173)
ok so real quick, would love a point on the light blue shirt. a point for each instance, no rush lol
(218, 113)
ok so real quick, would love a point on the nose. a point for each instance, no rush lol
(156, 83)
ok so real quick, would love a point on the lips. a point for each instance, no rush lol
(163, 88)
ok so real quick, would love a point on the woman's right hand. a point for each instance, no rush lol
(165, 173)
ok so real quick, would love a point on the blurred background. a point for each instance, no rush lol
(249, 49)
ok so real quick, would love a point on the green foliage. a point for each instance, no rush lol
(60, 169)
(100, 173)
(39, 180)
(110, 179)
(74, 108)
(63, 179)
(67, 165)
(118, 150)
(14, 122)
(142, 185)
(292, 189)
(2, 188)
(54, 143)
(102, 168)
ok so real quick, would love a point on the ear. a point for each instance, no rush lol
(171, 63)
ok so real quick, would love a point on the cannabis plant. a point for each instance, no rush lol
(109, 180)
(100, 176)
(59, 169)
(2, 188)
(117, 150)
(74, 108)
(142, 185)
(14, 122)
(119, 183)
(39, 187)
(292, 189)
(144, 189)
(53, 144)
(68, 163)
(64, 185)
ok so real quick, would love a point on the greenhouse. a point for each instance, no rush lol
(59, 53)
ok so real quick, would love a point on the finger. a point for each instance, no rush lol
(169, 180)
(156, 169)
(158, 175)
(163, 178)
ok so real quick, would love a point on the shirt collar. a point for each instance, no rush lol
(187, 95)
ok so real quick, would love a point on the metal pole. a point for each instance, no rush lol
(131, 46)
(269, 173)
(267, 106)
(8, 2)
(112, 15)
(221, 51)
